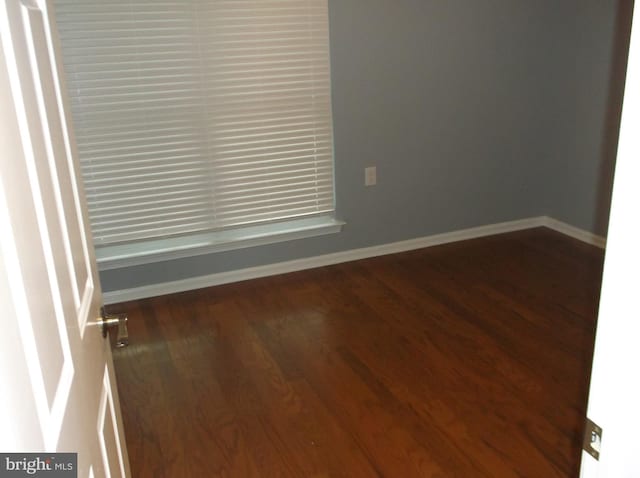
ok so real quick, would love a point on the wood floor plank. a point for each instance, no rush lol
(468, 359)
(385, 356)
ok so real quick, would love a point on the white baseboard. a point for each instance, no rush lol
(164, 288)
(576, 233)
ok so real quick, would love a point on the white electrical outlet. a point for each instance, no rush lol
(370, 176)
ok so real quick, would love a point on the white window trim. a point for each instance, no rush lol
(146, 252)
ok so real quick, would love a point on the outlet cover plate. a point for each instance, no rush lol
(370, 176)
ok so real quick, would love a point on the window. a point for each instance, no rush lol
(197, 116)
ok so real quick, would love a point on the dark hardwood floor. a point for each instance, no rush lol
(463, 360)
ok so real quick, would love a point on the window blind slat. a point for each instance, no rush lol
(199, 115)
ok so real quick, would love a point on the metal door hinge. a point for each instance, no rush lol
(592, 439)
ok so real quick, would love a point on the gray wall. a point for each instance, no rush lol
(468, 109)
(584, 103)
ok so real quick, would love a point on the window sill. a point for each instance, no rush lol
(146, 252)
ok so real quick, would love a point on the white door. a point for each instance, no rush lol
(614, 397)
(57, 384)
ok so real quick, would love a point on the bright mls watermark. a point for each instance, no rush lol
(49, 465)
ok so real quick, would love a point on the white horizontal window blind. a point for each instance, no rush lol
(194, 115)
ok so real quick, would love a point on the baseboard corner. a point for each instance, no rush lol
(575, 232)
